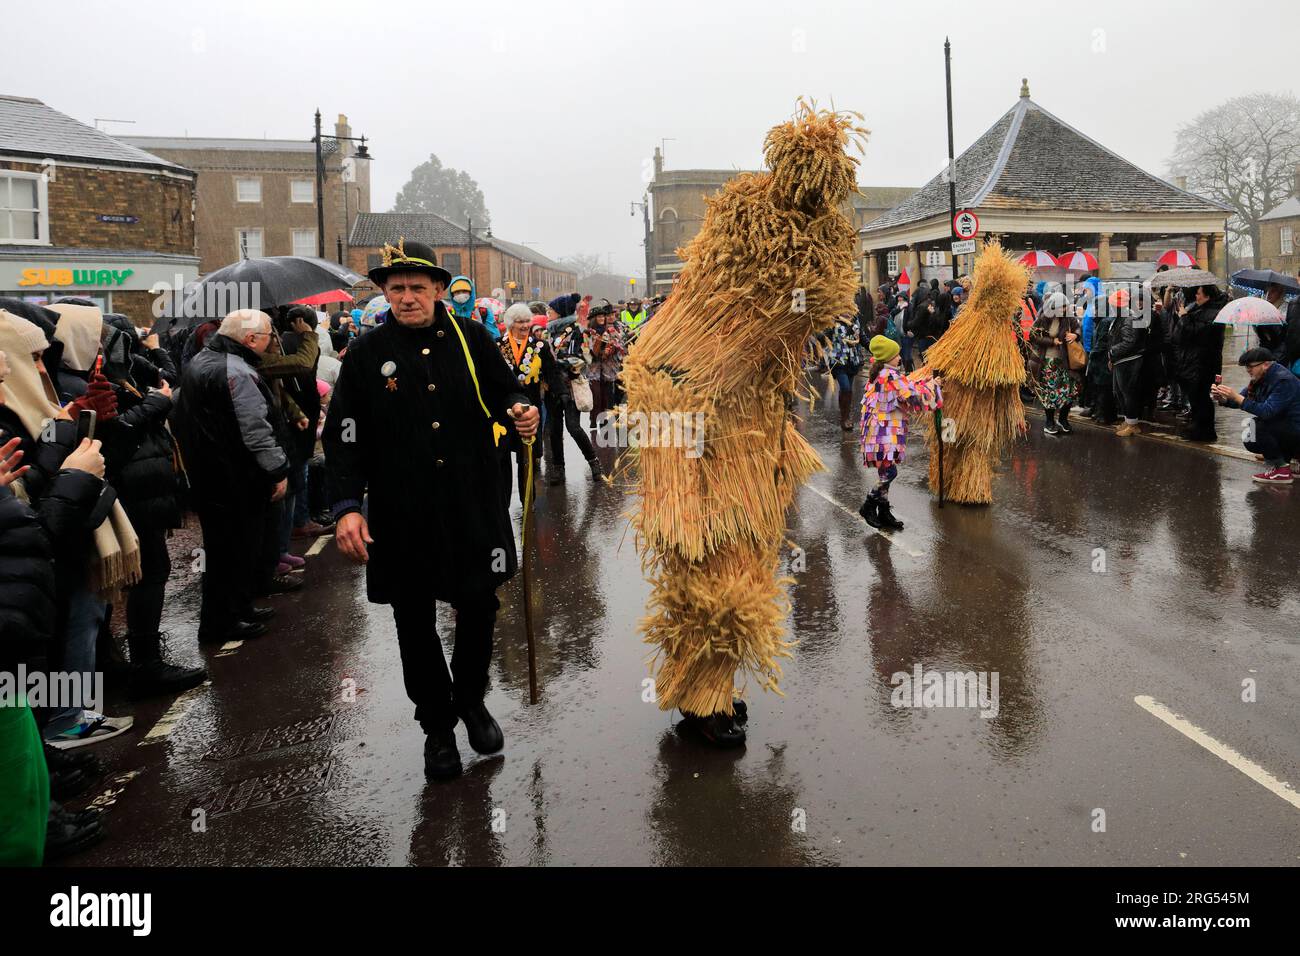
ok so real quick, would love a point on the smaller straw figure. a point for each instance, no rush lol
(886, 400)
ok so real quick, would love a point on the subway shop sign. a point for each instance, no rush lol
(74, 278)
(100, 275)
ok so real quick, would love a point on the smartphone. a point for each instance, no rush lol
(86, 424)
(1218, 380)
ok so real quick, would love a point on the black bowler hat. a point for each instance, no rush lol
(409, 257)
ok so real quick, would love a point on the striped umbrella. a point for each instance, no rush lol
(1077, 262)
(1038, 259)
(1176, 259)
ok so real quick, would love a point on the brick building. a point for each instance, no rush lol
(1279, 231)
(493, 263)
(84, 214)
(257, 197)
(677, 212)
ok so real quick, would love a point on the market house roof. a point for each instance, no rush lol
(206, 143)
(1032, 160)
(373, 229)
(30, 128)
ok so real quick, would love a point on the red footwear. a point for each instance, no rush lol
(1275, 476)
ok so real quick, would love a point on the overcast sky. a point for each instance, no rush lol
(556, 107)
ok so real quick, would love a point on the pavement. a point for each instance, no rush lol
(1137, 601)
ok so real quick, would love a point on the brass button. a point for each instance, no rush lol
(432, 387)
(424, 351)
(441, 333)
(437, 425)
(438, 462)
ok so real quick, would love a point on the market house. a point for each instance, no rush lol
(1036, 183)
(84, 214)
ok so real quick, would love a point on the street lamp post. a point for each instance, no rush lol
(361, 153)
(645, 211)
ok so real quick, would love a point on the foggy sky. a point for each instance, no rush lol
(556, 107)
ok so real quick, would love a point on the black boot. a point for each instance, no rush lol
(441, 757)
(67, 833)
(1063, 420)
(596, 472)
(718, 729)
(152, 676)
(483, 731)
(1050, 428)
(887, 520)
(868, 510)
(741, 709)
(845, 399)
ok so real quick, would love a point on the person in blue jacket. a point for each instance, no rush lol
(462, 295)
(1273, 397)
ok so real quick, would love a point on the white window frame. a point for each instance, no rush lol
(1286, 241)
(261, 243)
(891, 262)
(294, 236)
(248, 179)
(311, 190)
(42, 208)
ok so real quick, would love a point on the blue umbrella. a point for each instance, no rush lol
(1256, 281)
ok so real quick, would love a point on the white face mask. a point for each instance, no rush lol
(460, 297)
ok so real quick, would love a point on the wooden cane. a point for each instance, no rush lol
(523, 560)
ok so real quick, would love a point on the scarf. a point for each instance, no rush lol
(31, 396)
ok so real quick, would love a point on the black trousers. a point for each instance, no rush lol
(564, 416)
(144, 602)
(1127, 377)
(1278, 442)
(267, 555)
(438, 695)
(233, 534)
(1197, 393)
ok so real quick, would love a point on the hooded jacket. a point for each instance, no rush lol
(466, 309)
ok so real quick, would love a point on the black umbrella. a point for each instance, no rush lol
(1260, 279)
(269, 281)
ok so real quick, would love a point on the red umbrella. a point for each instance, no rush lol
(320, 298)
(1176, 259)
(1038, 259)
(1077, 262)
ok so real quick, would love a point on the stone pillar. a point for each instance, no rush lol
(913, 266)
(1202, 251)
(1103, 256)
(1219, 255)
(873, 272)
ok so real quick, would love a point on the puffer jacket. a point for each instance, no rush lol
(224, 421)
(1127, 341)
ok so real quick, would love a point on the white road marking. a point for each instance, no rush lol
(319, 545)
(1225, 753)
(891, 536)
(175, 714)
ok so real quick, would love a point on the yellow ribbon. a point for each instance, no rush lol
(497, 428)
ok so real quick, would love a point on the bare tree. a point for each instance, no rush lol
(1243, 153)
(584, 264)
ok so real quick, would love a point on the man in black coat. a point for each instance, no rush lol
(223, 421)
(413, 425)
(1198, 344)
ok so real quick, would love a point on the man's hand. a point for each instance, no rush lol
(87, 457)
(10, 458)
(526, 422)
(301, 424)
(281, 487)
(300, 326)
(352, 533)
(1223, 393)
(164, 388)
(1070, 336)
(151, 340)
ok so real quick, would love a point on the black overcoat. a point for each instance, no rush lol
(405, 426)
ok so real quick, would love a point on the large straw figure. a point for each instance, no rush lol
(772, 263)
(982, 372)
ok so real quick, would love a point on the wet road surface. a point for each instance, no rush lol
(302, 749)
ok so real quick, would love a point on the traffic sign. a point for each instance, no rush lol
(964, 248)
(965, 225)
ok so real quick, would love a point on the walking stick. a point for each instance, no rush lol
(523, 560)
(938, 431)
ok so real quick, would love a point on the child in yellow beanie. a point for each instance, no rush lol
(886, 400)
